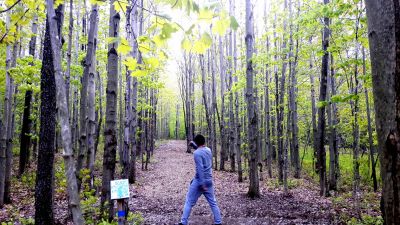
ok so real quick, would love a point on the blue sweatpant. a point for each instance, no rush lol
(193, 194)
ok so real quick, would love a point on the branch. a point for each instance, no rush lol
(15, 24)
(5, 10)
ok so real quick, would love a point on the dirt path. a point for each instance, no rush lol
(161, 192)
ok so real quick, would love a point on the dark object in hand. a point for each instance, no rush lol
(193, 145)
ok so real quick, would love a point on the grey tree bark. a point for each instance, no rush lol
(83, 113)
(91, 110)
(73, 193)
(254, 191)
(384, 42)
(110, 134)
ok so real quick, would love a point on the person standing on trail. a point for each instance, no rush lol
(202, 183)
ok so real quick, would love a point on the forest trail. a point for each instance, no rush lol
(160, 194)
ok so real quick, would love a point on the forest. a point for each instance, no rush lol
(298, 100)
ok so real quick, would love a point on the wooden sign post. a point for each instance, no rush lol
(119, 192)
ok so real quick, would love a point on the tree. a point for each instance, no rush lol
(110, 133)
(27, 121)
(44, 199)
(384, 43)
(321, 110)
(254, 190)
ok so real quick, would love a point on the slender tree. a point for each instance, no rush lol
(254, 190)
(110, 134)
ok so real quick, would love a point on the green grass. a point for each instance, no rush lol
(346, 168)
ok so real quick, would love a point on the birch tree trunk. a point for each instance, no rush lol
(91, 131)
(254, 191)
(83, 114)
(73, 193)
(110, 134)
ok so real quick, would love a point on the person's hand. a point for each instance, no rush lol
(193, 145)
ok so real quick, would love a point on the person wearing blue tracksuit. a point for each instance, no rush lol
(202, 183)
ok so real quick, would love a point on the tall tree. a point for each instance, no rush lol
(83, 113)
(44, 197)
(370, 138)
(55, 43)
(110, 133)
(91, 88)
(384, 42)
(254, 190)
(321, 110)
(27, 121)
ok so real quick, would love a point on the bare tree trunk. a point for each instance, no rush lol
(333, 145)
(222, 115)
(83, 114)
(370, 138)
(27, 121)
(203, 86)
(110, 134)
(99, 114)
(55, 41)
(91, 131)
(313, 112)
(254, 191)
(293, 99)
(384, 41)
(280, 115)
(45, 172)
(70, 30)
(321, 110)
(356, 134)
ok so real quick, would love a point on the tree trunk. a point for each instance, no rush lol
(321, 110)
(222, 115)
(313, 113)
(333, 145)
(27, 121)
(384, 41)
(83, 114)
(72, 188)
(70, 30)
(370, 138)
(110, 134)
(44, 196)
(91, 131)
(280, 113)
(254, 191)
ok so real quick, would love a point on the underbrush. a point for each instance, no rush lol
(342, 199)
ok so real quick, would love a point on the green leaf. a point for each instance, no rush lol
(321, 104)
(139, 73)
(201, 45)
(205, 14)
(120, 6)
(221, 25)
(124, 47)
(131, 63)
(234, 23)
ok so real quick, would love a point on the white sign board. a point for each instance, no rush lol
(119, 189)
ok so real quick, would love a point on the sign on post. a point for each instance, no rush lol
(119, 189)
